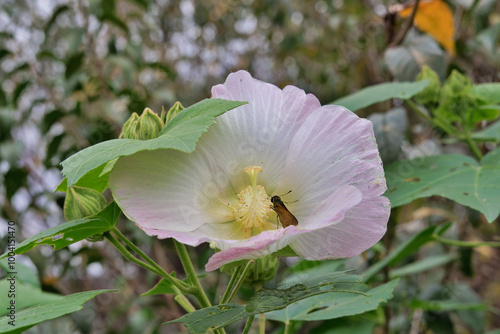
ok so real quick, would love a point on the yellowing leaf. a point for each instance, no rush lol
(435, 18)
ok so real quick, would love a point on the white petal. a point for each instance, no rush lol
(259, 133)
(172, 191)
(362, 227)
(332, 148)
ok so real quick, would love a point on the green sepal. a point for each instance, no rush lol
(128, 129)
(149, 125)
(430, 94)
(82, 202)
(176, 108)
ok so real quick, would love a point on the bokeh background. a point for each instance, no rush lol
(72, 72)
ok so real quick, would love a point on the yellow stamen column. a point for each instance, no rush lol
(253, 206)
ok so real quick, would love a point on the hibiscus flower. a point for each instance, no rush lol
(281, 141)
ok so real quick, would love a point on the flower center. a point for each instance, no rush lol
(253, 206)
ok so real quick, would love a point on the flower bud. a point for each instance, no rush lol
(82, 202)
(149, 125)
(456, 88)
(430, 94)
(262, 271)
(128, 129)
(176, 108)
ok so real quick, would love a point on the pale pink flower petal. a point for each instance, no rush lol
(326, 155)
(332, 148)
(170, 190)
(259, 133)
(362, 226)
(329, 212)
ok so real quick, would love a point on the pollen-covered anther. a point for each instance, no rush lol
(253, 206)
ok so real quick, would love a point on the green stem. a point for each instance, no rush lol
(262, 323)
(185, 288)
(473, 147)
(465, 243)
(127, 254)
(183, 301)
(198, 291)
(230, 285)
(180, 297)
(248, 325)
(448, 129)
(240, 281)
(287, 327)
(419, 111)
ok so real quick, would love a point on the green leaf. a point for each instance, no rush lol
(161, 288)
(408, 247)
(68, 233)
(381, 92)
(96, 179)
(182, 133)
(23, 273)
(25, 295)
(456, 177)
(360, 324)
(446, 305)
(31, 316)
(489, 92)
(266, 300)
(422, 265)
(483, 113)
(82, 202)
(285, 252)
(335, 305)
(491, 133)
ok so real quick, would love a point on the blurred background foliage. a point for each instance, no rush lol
(71, 73)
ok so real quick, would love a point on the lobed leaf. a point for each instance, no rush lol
(457, 177)
(335, 305)
(336, 285)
